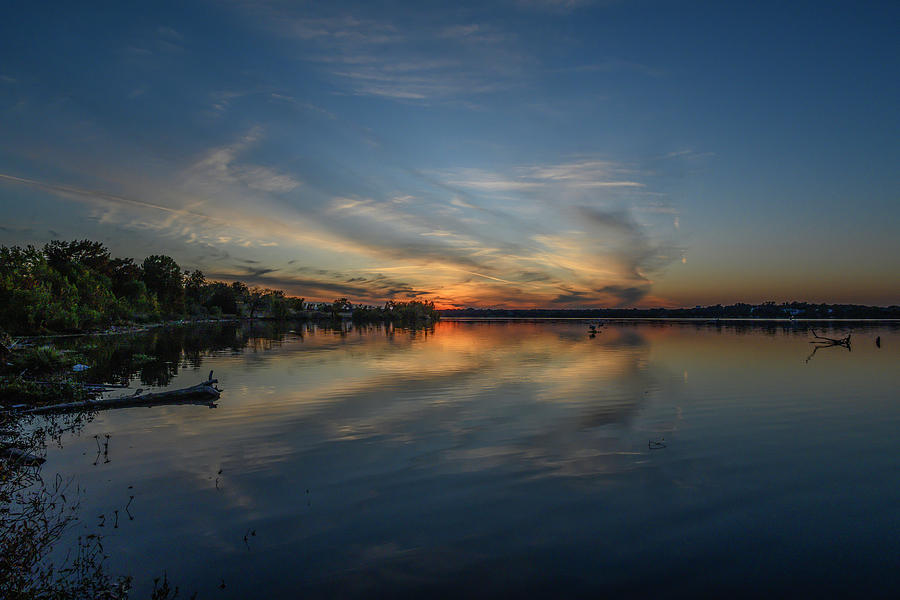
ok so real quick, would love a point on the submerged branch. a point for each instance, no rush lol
(835, 341)
(822, 341)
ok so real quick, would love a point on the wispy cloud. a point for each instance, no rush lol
(481, 179)
(581, 174)
(409, 59)
(221, 164)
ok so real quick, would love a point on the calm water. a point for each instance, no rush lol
(506, 457)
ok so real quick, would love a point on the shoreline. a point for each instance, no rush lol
(672, 319)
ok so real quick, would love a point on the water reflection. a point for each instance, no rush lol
(156, 356)
(479, 458)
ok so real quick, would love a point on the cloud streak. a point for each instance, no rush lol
(413, 59)
(577, 175)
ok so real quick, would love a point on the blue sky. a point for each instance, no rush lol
(518, 153)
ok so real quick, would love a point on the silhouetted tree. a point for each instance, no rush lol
(162, 276)
(91, 255)
(196, 291)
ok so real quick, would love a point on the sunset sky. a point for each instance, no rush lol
(550, 153)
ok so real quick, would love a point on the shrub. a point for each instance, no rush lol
(41, 359)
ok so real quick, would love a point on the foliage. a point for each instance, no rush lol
(408, 314)
(41, 360)
(33, 296)
(64, 287)
(16, 390)
(222, 298)
(162, 276)
(341, 305)
(77, 286)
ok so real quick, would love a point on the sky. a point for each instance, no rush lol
(517, 153)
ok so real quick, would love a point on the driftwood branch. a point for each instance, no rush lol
(835, 341)
(203, 393)
(822, 341)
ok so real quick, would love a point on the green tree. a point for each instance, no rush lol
(222, 298)
(33, 296)
(339, 306)
(162, 276)
(91, 255)
(254, 299)
(196, 291)
(259, 297)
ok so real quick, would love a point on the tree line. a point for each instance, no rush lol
(78, 285)
(740, 310)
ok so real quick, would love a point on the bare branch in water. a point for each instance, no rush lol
(822, 341)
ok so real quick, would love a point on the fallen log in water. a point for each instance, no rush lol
(204, 393)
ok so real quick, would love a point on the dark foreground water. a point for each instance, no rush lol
(484, 459)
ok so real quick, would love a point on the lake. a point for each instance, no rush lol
(672, 459)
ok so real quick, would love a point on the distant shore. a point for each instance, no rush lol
(688, 319)
(767, 310)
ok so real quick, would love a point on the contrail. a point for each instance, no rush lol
(487, 276)
(440, 266)
(92, 194)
